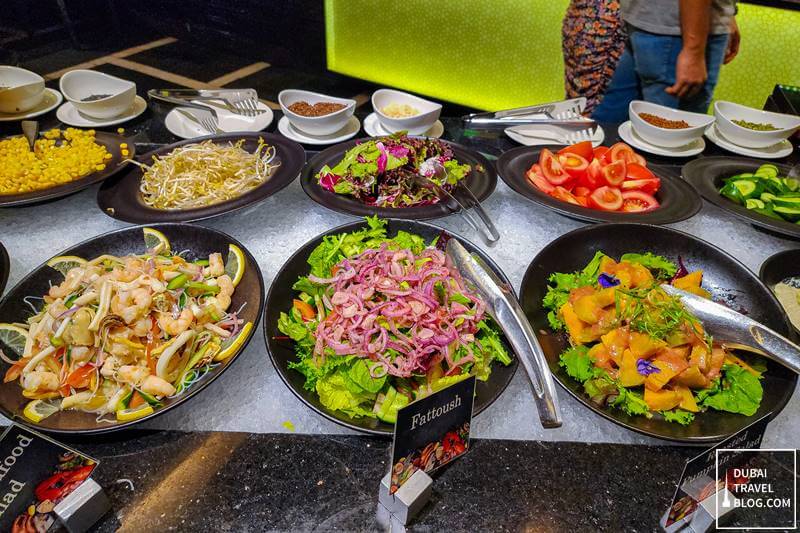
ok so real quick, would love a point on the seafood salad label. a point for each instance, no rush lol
(432, 431)
(36, 473)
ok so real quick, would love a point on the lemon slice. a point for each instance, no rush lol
(126, 415)
(234, 265)
(155, 241)
(13, 337)
(230, 346)
(65, 263)
(38, 410)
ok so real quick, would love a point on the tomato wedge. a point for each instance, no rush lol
(638, 202)
(540, 182)
(552, 169)
(79, 378)
(606, 199)
(582, 191)
(614, 174)
(636, 171)
(622, 152)
(560, 193)
(649, 185)
(583, 149)
(574, 164)
(600, 153)
(593, 178)
(306, 311)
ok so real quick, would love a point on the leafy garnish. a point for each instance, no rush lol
(663, 267)
(577, 363)
(560, 286)
(679, 416)
(738, 391)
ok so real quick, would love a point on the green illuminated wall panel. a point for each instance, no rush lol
(494, 54)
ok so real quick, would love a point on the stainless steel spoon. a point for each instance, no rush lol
(30, 128)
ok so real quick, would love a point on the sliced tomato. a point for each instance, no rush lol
(614, 174)
(583, 149)
(306, 311)
(560, 193)
(636, 171)
(552, 169)
(649, 186)
(638, 202)
(574, 164)
(540, 182)
(136, 400)
(581, 191)
(622, 152)
(606, 199)
(79, 378)
(583, 201)
(593, 178)
(600, 154)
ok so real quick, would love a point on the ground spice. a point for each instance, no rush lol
(662, 122)
(315, 110)
(758, 126)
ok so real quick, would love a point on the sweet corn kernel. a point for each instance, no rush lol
(120, 130)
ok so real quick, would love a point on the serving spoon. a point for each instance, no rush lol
(737, 331)
(30, 128)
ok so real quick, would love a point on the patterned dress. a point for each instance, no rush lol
(593, 39)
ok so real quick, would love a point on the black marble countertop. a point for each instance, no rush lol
(282, 482)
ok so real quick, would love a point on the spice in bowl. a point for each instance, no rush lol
(758, 126)
(93, 97)
(662, 122)
(319, 109)
(395, 110)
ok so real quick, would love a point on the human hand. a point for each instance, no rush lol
(690, 74)
(734, 37)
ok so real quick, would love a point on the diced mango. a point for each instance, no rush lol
(600, 356)
(687, 399)
(640, 276)
(571, 320)
(692, 378)
(693, 279)
(586, 309)
(662, 400)
(608, 265)
(605, 297)
(629, 375)
(616, 341)
(643, 345)
(657, 380)
(677, 338)
(700, 357)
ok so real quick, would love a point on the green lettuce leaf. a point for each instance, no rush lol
(445, 381)
(455, 171)
(738, 391)
(360, 376)
(663, 267)
(631, 402)
(561, 284)
(577, 363)
(679, 416)
(335, 395)
(291, 327)
(489, 337)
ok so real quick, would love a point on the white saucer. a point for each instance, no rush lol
(290, 132)
(629, 136)
(375, 129)
(776, 151)
(597, 139)
(50, 101)
(184, 128)
(69, 114)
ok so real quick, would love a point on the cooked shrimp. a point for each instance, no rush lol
(215, 266)
(81, 353)
(41, 381)
(131, 305)
(71, 282)
(56, 308)
(132, 374)
(156, 386)
(141, 327)
(110, 366)
(223, 298)
(176, 326)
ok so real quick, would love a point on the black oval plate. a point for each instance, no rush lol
(200, 241)
(481, 183)
(729, 281)
(282, 352)
(678, 200)
(707, 173)
(120, 198)
(111, 141)
(778, 267)
(5, 268)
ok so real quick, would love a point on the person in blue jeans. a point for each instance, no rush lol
(673, 55)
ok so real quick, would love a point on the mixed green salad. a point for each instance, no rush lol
(635, 347)
(766, 193)
(381, 321)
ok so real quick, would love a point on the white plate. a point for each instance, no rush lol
(776, 151)
(50, 101)
(375, 129)
(68, 114)
(629, 136)
(184, 128)
(290, 132)
(597, 139)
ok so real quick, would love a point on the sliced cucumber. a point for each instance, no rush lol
(754, 203)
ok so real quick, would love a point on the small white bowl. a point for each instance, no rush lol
(666, 137)
(322, 125)
(418, 124)
(79, 84)
(727, 112)
(23, 89)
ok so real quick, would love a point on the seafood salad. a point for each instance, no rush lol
(380, 322)
(120, 334)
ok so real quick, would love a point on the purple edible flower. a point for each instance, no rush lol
(645, 367)
(607, 280)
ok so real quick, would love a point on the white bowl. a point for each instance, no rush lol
(666, 137)
(418, 124)
(79, 84)
(23, 89)
(727, 112)
(322, 125)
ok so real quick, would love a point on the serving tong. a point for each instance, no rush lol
(239, 101)
(487, 231)
(739, 332)
(564, 113)
(503, 306)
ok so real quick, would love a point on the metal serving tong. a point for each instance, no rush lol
(502, 304)
(737, 331)
(565, 113)
(239, 101)
(487, 231)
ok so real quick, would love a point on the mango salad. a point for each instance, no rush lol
(636, 348)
